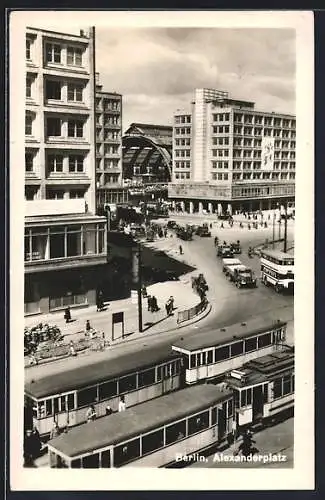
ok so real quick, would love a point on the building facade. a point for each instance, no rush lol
(65, 242)
(109, 174)
(227, 156)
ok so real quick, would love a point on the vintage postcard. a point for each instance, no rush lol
(161, 242)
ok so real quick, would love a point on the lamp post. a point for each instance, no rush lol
(285, 227)
(273, 229)
(136, 278)
(108, 228)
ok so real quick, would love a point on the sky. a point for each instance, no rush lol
(157, 69)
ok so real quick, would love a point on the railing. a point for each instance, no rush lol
(192, 312)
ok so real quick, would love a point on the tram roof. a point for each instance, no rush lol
(105, 369)
(138, 419)
(277, 254)
(227, 334)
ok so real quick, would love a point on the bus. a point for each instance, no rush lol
(263, 390)
(65, 397)
(152, 434)
(277, 270)
(213, 353)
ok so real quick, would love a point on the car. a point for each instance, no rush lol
(171, 224)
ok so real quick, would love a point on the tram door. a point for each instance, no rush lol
(258, 402)
(222, 421)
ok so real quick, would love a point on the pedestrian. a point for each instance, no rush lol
(144, 291)
(29, 451)
(55, 431)
(67, 315)
(180, 250)
(149, 302)
(72, 349)
(108, 410)
(154, 307)
(165, 233)
(210, 225)
(121, 405)
(91, 414)
(100, 301)
(88, 327)
(171, 301)
(221, 225)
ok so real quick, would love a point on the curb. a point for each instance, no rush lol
(190, 322)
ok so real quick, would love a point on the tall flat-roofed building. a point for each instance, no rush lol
(229, 156)
(65, 242)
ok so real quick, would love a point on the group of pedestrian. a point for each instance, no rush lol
(91, 414)
(32, 446)
(152, 303)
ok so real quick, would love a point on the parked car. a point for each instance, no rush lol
(171, 224)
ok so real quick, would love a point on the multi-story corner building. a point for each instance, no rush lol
(109, 174)
(65, 242)
(228, 156)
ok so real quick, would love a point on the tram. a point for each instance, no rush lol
(211, 354)
(263, 389)
(152, 434)
(277, 270)
(65, 397)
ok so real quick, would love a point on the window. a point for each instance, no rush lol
(286, 384)
(126, 452)
(108, 390)
(198, 422)
(75, 128)
(250, 344)
(222, 353)
(74, 56)
(29, 162)
(76, 163)
(77, 194)
(87, 396)
(53, 90)
(28, 86)
(146, 377)
(71, 405)
(127, 384)
(210, 357)
(152, 441)
(53, 53)
(55, 163)
(75, 92)
(237, 349)
(53, 127)
(28, 47)
(28, 124)
(277, 388)
(214, 420)
(175, 432)
(264, 340)
(76, 464)
(106, 459)
(230, 409)
(245, 397)
(91, 461)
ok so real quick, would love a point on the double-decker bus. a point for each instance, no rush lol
(277, 270)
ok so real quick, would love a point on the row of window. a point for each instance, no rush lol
(159, 438)
(182, 142)
(276, 275)
(264, 176)
(278, 144)
(268, 132)
(108, 149)
(109, 389)
(108, 135)
(106, 163)
(31, 193)
(264, 191)
(219, 177)
(107, 120)
(108, 104)
(53, 53)
(182, 164)
(220, 141)
(106, 179)
(183, 152)
(220, 152)
(220, 164)
(183, 119)
(57, 163)
(64, 241)
(289, 261)
(257, 164)
(182, 175)
(183, 130)
(221, 117)
(283, 386)
(54, 126)
(215, 355)
(53, 90)
(264, 120)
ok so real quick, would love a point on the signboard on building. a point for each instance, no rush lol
(267, 153)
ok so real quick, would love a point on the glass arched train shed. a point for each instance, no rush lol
(147, 155)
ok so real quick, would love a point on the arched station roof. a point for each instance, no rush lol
(147, 152)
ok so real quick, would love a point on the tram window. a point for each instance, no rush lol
(91, 461)
(106, 458)
(159, 373)
(230, 408)
(265, 393)
(63, 404)
(249, 396)
(214, 416)
(186, 362)
(128, 383)
(236, 398)
(210, 357)
(246, 397)
(198, 422)
(152, 441)
(108, 390)
(293, 383)
(250, 344)
(126, 452)
(76, 464)
(277, 388)
(222, 353)
(178, 364)
(199, 361)
(286, 384)
(193, 358)
(146, 377)
(87, 396)
(175, 432)
(237, 348)
(264, 340)
(70, 401)
(61, 463)
(48, 407)
(56, 405)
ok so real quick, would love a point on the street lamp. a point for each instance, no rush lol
(108, 228)
(136, 279)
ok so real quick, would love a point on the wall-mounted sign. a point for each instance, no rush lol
(267, 153)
